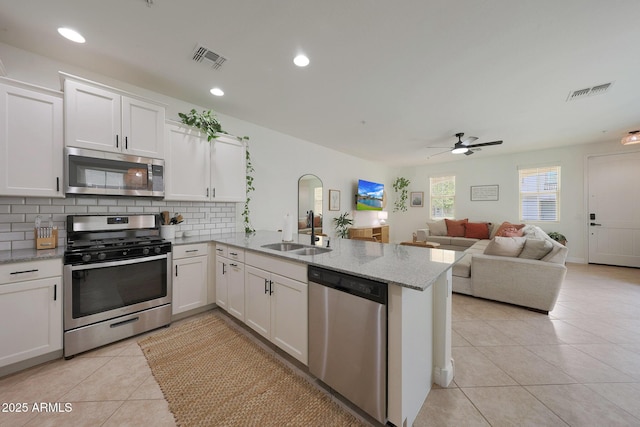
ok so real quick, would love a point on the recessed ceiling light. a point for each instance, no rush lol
(217, 91)
(301, 61)
(70, 34)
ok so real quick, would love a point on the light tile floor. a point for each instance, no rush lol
(579, 366)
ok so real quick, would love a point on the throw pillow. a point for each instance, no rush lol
(505, 246)
(476, 230)
(507, 225)
(437, 228)
(535, 249)
(455, 228)
(512, 232)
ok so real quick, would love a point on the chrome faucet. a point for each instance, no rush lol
(311, 218)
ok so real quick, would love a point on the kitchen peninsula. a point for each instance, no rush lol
(419, 305)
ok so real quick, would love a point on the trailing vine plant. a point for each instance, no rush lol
(208, 123)
(400, 185)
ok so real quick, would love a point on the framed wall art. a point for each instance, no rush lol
(484, 192)
(334, 200)
(416, 199)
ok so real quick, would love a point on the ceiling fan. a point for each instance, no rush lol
(465, 146)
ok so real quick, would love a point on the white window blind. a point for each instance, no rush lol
(442, 196)
(540, 193)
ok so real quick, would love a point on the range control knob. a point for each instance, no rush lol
(102, 256)
(145, 251)
(157, 249)
(86, 257)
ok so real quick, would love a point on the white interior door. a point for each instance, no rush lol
(614, 209)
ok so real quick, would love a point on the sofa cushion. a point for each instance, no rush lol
(463, 241)
(505, 246)
(507, 226)
(443, 240)
(476, 230)
(462, 268)
(455, 228)
(437, 228)
(535, 248)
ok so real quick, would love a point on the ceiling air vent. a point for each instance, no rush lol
(206, 56)
(590, 91)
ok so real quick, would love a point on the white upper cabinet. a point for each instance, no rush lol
(187, 164)
(99, 118)
(228, 170)
(31, 140)
(199, 170)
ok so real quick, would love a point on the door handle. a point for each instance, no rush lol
(594, 224)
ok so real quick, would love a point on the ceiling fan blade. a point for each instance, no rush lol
(468, 140)
(437, 154)
(484, 144)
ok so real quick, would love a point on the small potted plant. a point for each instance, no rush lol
(342, 224)
(558, 237)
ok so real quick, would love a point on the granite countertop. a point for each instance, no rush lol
(20, 255)
(407, 266)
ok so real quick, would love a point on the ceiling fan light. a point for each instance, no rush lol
(632, 138)
(459, 150)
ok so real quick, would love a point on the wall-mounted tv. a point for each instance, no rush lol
(369, 196)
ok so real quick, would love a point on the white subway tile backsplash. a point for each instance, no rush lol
(25, 209)
(17, 215)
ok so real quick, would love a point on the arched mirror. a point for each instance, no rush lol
(309, 199)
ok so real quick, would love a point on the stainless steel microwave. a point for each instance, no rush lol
(104, 173)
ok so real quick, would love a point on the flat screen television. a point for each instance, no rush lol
(369, 196)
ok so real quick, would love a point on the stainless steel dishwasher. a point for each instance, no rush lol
(348, 337)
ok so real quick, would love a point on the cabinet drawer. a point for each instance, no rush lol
(186, 251)
(236, 254)
(30, 270)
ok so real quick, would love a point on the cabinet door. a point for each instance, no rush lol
(211, 273)
(142, 128)
(258, 300)
(92, 117)
(187, 165)
(31, 317)
(228, 170)
(235, 289)
(222, 292)
(189, 284)
(31, 143)
(289, 316)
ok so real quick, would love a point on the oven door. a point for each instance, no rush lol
(101, 291)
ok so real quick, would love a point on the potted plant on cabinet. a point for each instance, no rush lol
(342, 224)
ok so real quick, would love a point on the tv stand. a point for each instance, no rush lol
(380, 232)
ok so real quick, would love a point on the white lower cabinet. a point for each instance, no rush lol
(190, 286)
(276, 305)
(30, 310)
(230, 280)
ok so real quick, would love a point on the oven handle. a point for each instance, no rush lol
(116, 263)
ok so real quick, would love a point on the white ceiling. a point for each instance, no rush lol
(387, 78)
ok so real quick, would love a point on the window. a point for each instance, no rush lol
(317, 199)
(443, 194)
(540, 194)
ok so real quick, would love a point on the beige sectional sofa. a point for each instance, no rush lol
(528, 273)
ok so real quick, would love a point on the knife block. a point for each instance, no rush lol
(49, 242)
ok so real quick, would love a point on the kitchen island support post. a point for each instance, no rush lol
(419, 346)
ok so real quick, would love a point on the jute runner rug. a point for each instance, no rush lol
(213, 375)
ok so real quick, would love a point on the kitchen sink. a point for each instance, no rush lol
(284, 247)
(311, 250)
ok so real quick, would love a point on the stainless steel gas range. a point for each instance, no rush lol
(117, 279)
